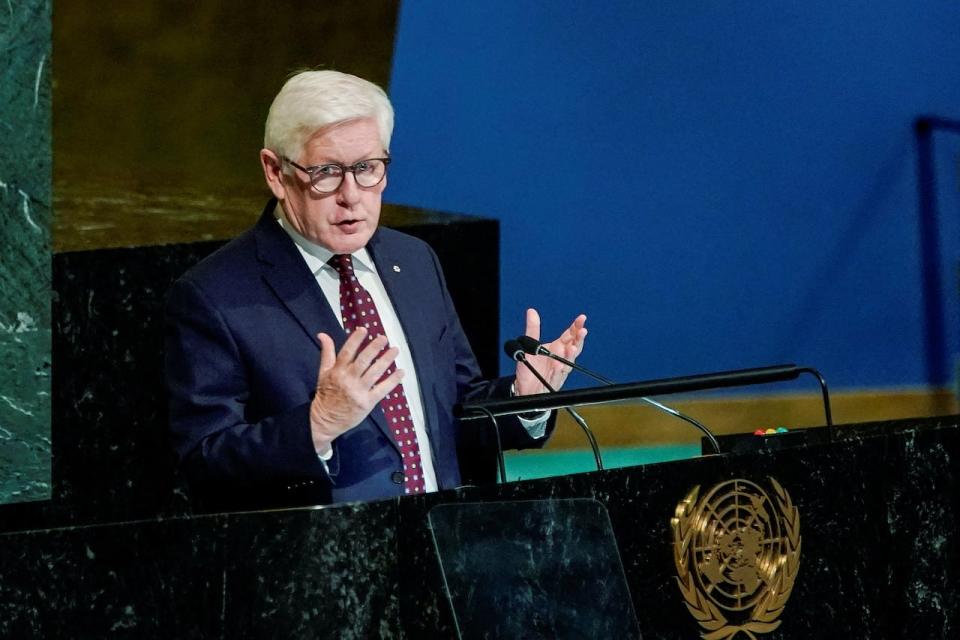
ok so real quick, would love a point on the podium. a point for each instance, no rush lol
(876, 511)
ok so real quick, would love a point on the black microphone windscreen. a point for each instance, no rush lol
(528, 344)
(512, 348)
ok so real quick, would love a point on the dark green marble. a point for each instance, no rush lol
(25, 173)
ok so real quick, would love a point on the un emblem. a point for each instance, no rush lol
(737, 553)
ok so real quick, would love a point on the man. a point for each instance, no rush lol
(254, 420)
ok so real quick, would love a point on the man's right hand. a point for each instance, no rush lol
(347, 387)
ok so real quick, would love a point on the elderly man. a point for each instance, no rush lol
(255, 420)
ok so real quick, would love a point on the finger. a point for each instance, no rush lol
(367, 353)
(580, 323)
(573, 331)
(567, 345)
(373, 345)
(581, 338)
(572, 349)
(328, 354)
(533, 324)
(380, 390)
(348, 352)
(572, 339)
(579, 334)
(379, 366)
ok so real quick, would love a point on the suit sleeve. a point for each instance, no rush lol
(218, 444)
(471, 387)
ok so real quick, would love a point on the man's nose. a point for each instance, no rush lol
(349, 192)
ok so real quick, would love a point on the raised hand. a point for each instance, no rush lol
(349, 385)
(568, 345)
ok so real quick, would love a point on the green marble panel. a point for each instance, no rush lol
(25, 175)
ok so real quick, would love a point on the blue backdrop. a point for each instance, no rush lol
(716, 186)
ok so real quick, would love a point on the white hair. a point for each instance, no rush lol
(311, 100)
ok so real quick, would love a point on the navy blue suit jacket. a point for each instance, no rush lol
(242, 360)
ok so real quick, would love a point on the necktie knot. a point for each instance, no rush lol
(343, 263)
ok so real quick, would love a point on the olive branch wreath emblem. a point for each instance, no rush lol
(690, 517)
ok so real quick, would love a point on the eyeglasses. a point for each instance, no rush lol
(327, 178)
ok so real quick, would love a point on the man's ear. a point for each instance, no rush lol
(273, 172)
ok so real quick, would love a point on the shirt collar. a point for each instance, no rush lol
(317, 256)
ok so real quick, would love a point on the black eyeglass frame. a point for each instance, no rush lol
(344, 170)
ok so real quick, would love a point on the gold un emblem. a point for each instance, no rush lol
(737, 553)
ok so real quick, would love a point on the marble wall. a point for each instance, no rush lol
(25, 196)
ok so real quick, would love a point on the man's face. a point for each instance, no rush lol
(344, 220)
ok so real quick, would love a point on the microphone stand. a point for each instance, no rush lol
(521, 357)
(496, 432)
(539, 349)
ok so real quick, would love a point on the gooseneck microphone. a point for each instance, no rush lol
(534, 347)
(515, 351)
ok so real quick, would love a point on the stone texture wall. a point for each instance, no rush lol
(25, 196)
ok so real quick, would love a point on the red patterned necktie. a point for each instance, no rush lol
(358, 310)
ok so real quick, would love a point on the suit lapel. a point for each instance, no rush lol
(285, 271)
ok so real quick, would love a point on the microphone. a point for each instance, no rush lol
(515, 351)
(535, 347)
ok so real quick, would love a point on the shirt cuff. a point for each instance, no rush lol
(536, 425)
(324, 457)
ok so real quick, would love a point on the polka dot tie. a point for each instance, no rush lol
(358, 310)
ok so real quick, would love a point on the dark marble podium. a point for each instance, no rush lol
(878, 513)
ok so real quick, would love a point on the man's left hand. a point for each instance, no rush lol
(568, 345)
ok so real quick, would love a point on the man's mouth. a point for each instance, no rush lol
(348, 225)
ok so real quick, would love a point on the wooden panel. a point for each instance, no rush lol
(159, 107)
(638, 424)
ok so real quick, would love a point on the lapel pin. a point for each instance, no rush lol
(396, 268)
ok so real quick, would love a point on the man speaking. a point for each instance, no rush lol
(317, 357)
